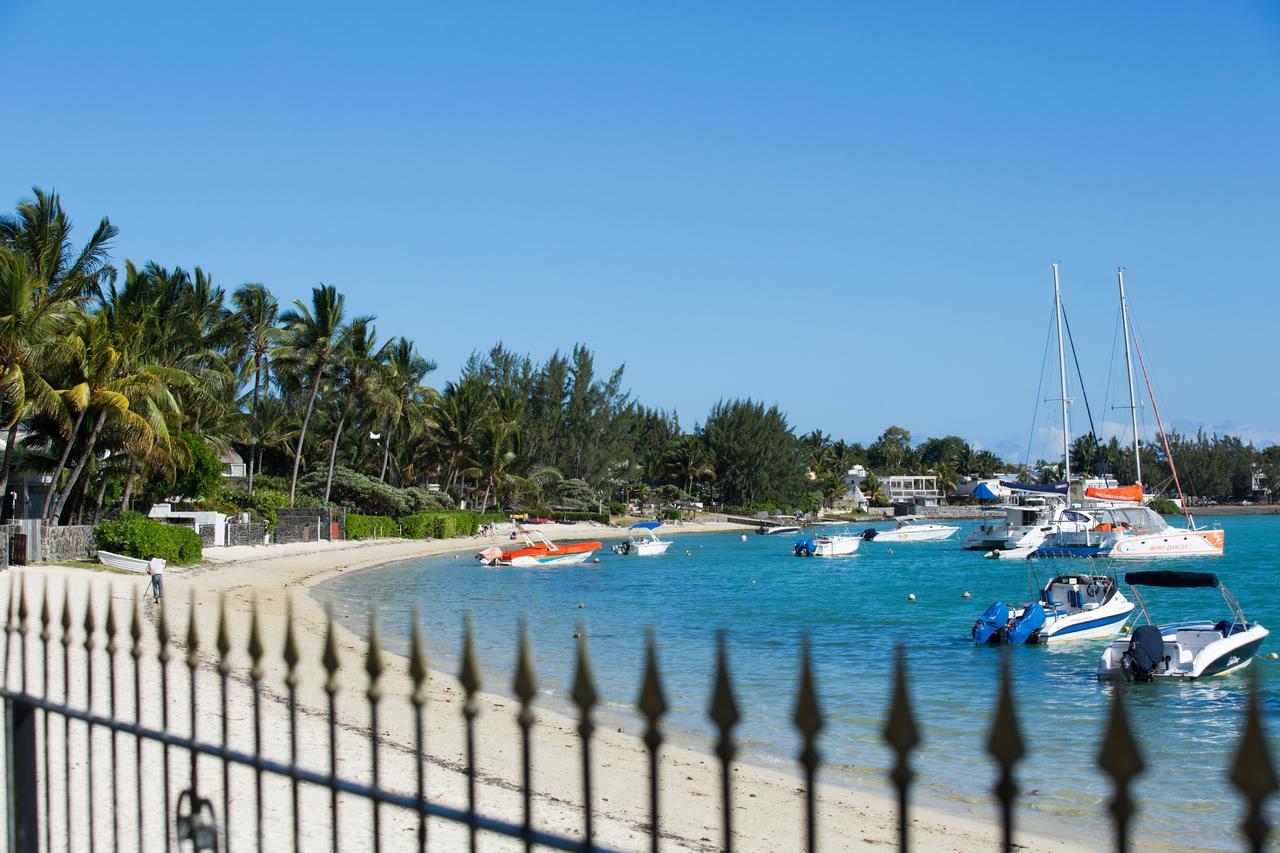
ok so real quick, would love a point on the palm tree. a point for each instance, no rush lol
(278, 423)
(44, 281)
(459, 414)
(407, 371)
(359, 373)
(688, 460)
(258, 312)
(31, 324)
(492, 456)
(313, 338)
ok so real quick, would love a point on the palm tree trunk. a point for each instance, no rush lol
(302, 436)
(84, 460)
(128, 489)
(10, 441)
(62, 465)
(102, 495)
(386, 452)
(333, 451)
(253, 426)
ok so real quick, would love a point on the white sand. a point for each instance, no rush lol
(768, 804)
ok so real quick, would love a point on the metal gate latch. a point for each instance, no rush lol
(195, 822)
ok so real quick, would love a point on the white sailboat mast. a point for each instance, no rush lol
(1128, 363)
(1062, 372)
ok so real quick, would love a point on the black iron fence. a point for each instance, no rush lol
(65, 807)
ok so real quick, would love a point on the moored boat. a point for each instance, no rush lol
(1071, 606)
(1186, 650)
(908, 529)
(539, 551)
(643, 541)
(836, 545)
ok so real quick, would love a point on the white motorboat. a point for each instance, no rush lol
(1187, 650)
(835, 545)
(908, 529)
(643, 541)
(1025, 525)
(1071, 606)
(120, 561)
(772, 528)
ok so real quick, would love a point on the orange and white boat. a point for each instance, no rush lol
(539, 551)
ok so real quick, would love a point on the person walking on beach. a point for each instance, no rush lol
(155, 568)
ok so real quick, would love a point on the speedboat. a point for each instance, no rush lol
(1131, 532)
(1187, 650)
(643, 541)
(1070, 607)
(836, 545)
(907, 529)
(538, 550)
(770, 528)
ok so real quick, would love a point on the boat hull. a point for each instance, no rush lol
(650, 549)
(1221, 656)
(934, 533)
(119, 561)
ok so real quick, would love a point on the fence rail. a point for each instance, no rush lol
(32, 636)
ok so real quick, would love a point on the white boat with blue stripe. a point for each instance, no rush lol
(1071, 606)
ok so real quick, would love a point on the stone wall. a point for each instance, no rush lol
(246, 534)
(954, 512)
(73, 542)
(5, 530)
(305, 524)
(207, 535)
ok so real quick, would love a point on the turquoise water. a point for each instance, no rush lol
(855, 611)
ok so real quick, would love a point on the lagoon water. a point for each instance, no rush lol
(855, 612)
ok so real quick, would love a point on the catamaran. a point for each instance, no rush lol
(1122, 527)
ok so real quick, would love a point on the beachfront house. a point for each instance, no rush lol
(917, 489)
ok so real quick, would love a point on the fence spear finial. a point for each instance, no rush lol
(193, 634)
(1253, 773)
(1120, 759)
(417, 661)
(291, 655)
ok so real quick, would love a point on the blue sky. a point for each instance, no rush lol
(848, 210)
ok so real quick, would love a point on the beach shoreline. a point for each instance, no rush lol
(274, 581)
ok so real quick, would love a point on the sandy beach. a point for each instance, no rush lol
(768, 804)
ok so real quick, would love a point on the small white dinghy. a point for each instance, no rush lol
(1182, 651)
(120, 561)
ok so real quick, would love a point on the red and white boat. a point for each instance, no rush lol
(538, 550)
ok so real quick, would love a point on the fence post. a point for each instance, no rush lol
(24, 815)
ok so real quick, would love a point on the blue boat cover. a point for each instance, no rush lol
(993, 619)
(1031, 620)
(647, 525)
(983, 492)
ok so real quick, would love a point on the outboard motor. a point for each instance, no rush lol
(804, 548)
(1145, 653)
(1027, 628)
(869, 534)
(990, 623)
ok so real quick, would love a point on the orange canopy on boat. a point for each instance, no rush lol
(1121, 493)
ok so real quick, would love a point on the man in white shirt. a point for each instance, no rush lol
(155, 568)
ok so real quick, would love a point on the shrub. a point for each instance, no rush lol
(357, 492)
(1164, 506)
(573, 494)
(135, 535)
(446, 524)
(423, 500)
(371, 526)
(260, 503)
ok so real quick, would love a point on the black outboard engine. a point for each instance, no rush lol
(869, 534)
(1146, 652)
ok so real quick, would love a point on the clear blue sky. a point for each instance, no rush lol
(846, 210)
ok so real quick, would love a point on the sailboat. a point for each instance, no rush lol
(1122, 526)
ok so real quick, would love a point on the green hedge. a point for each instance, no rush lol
(371, 526)
(445, 524)
(135, 535)
(598, 517)
(1164, 506)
